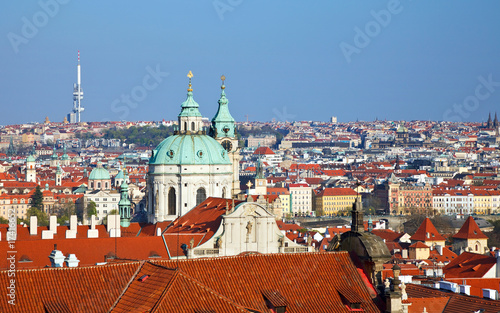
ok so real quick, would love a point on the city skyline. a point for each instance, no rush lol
(386, 59)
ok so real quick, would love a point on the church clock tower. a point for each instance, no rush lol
(223, 130)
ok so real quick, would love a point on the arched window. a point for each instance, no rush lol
(201, 195)
(192, 126)
(106, 185)
(99, 185)
(185, 126)
(171, 201)
(224, 192)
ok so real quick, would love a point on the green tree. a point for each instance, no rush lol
(36, 208)
(42, 218)
(37, 199)
(494, 236)
(91, 209)
(63, 212)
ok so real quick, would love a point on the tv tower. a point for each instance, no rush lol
(74, 116)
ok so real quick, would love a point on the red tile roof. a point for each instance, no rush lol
(243, 278)
(263, 150)
(468, 265)
(80, 289)
(457, 303)
(446, 257)
(470, 230)
(337, 192)
(477, 284)
(434, 305)
(155, 286)
(419, 244)
(305, 282)
(203, 219)
(387, 234)
(427, 232)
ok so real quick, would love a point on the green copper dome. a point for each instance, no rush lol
(223, 122)
(190, 107)
(99, 173)
(119, 175)
(30, 158)
(65, 155)
(189, 149)
(54, 155)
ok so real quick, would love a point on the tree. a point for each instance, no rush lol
(91, 209)
(37, 199)
(42, 219)
(494, 236)
(64, 212)
(36, 208)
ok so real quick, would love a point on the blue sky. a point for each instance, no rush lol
(287, 60)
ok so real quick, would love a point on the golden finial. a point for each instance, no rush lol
(223, 78)
(190, 75)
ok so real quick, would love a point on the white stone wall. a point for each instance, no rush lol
(186, 180)
(249, 228)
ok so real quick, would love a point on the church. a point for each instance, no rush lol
(194, 163)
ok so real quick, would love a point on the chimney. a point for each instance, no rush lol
(93, 232)
(158, 231)
(71, 232)
(93, 221)
(439, 249)
(73, 222)
(71, 261)
(404, 253)
(33, 225)
(56, 258)
(53, 224)
(465, 289)
(490, 294)
(446, 285)
(113, 226)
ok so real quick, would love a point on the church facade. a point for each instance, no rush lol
(191, 165)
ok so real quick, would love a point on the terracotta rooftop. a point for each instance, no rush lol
(337, 192)
(457, 303)
(263, 150)
(470, 230)
(427, 232)
(204, 218)
(419, 244)
(305, 282)
(468, 265)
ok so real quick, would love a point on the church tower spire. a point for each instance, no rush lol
(223, 130)
(495, 121)
(489, 123)
(124, 205)
(190, 116)
(223, 124)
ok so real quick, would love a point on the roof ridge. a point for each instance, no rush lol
(132, 278)
(205, 287)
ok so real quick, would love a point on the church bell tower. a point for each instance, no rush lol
(223, 130)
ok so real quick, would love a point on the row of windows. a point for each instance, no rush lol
(22, 212)
(103, 199)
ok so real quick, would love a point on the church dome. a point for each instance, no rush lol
(99, 173)
(189, 150)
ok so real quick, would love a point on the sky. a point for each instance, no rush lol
(283, 60)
